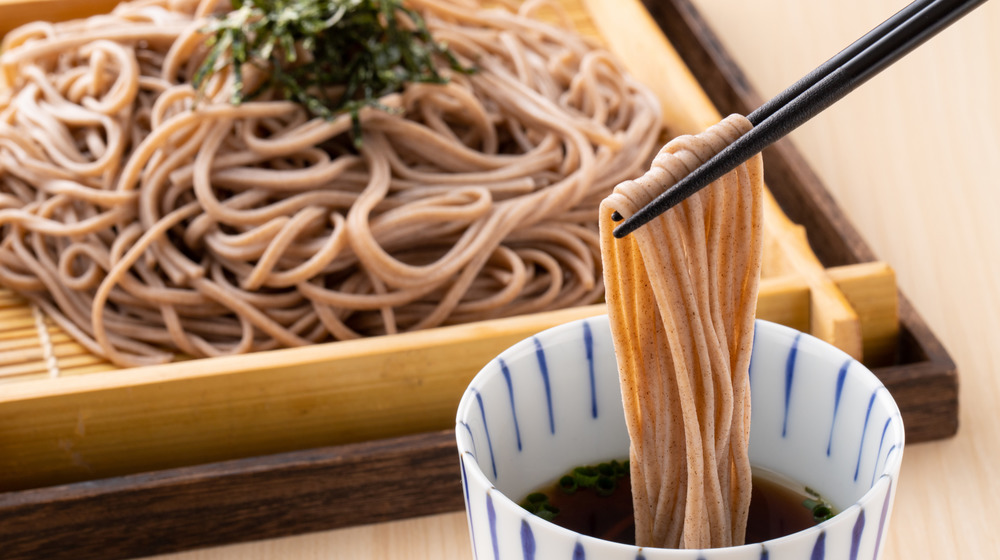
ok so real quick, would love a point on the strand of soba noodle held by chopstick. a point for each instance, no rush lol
(149, 219)
(682, 293)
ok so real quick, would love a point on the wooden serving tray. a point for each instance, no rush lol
(117, 464)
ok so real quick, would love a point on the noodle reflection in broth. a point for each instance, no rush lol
(148, 221)
(682, 293)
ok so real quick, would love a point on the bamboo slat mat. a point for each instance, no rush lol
(32, 346)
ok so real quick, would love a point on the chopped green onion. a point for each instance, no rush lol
(568, 484)
(537, 498)
(605, 486)
(547, 512)
(822, 512)
(820, 508)
(586, 477)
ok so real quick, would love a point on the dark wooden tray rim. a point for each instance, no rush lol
(371, 482)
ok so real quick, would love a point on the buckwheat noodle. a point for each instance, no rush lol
(682, 293)
(148, 219)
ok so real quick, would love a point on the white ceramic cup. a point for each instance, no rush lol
(552, 402)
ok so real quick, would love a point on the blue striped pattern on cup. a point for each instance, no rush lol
(552, 402)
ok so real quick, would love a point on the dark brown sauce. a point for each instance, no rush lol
(776, 509)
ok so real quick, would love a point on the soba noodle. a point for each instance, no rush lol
(148, 219)
(682, 293)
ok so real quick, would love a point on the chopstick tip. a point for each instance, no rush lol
(625, 228)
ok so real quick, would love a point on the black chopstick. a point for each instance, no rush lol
(827, 84)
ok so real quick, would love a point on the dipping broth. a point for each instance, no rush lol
(603, 508)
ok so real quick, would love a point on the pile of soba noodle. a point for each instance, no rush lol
(148, 221)
(682, 293)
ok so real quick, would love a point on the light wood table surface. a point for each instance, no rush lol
(914, 159)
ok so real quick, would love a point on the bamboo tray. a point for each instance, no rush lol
(105, 463)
